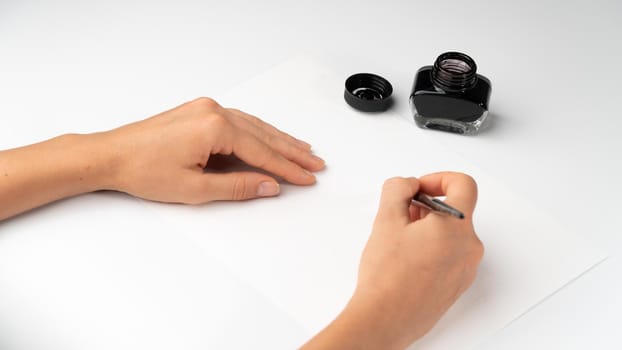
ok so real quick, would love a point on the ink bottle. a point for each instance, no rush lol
(450, 95)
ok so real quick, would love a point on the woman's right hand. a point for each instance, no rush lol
(414, 266)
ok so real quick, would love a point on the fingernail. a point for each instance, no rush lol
(308, 173)
(317, 159)
(268, 189)
(320, 164)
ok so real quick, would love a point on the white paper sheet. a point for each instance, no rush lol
(100, 272)
(301, 249)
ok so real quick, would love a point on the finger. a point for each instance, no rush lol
(417, 212)
(254, 152)
(236, 186)
(301, 157)
(396, 198)
(459, 189)
(268, 128)
(280, 142)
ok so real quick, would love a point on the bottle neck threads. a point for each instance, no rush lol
(454, 72)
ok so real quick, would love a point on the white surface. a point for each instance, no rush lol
(302, 250)
(84, 66)
(99, 272)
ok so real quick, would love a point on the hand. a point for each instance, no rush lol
(414, 266)
(163, 158)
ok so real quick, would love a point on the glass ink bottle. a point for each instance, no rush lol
(450, 95)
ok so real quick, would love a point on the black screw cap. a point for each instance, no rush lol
(368, 92)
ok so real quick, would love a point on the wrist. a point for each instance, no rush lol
(394, 319)
(94, 159)
(376, 324)
(363, 324)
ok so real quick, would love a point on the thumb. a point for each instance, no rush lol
(239, 186)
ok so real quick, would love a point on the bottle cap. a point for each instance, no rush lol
(368, 92)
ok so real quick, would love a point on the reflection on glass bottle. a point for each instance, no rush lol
(450, 95)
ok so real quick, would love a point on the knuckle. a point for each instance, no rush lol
(270, 140)
(239, 189)
(264, 159)
(246, 116)
(216, 121)
(394, 181)
(477, 250)
(291, 152)
(255, 120)
(205, 103)
(470, 179)
(208, 128)
(467, 179)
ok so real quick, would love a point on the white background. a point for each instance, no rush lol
(554, 66)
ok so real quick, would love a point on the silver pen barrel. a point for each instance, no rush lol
(437, 205)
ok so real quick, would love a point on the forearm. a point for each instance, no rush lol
(363, 325)
(64, 166)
